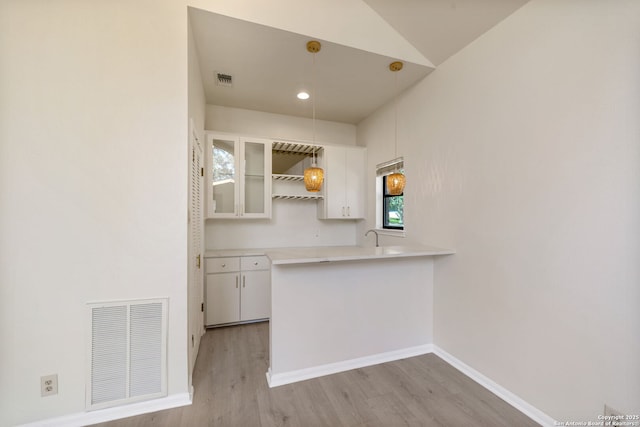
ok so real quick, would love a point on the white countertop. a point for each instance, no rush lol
(219, 253)
(330, 253)
(281, 256)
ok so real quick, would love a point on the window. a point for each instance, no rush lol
(390, 209)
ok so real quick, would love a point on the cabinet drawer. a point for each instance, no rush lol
(254, 263)
(221, 265)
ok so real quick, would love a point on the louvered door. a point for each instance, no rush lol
(195, 285)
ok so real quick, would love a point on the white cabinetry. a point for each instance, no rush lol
(238, 177)
(238, 289)
(255, 291)
(344, 183)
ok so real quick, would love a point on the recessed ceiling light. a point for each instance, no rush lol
(303, 95)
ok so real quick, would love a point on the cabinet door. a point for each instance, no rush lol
(344, 191)
(255, 301)
(223, 164)
(355, 178)
(256, 178)
(333, 205)
(223, 298)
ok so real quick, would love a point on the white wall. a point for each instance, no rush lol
(93, 175)
(522, 152)
(277, 126)
(294, 222)
(195, 291)
(360, 312)
(197, 102)
(93, 190)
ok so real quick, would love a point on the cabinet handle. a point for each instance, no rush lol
(348, 210)
(255, 263)
(343, 211)
(243, 280)
(236, 282)
(224, 265)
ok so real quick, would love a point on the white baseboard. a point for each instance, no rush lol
(275, 380)
(183, 399)
(529, 410)
(109, 414)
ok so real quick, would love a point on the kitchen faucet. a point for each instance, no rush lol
(375, 232)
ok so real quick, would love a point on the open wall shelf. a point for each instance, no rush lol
(280, 177)
(295, 147)
(290, 159)
(291, 187)
(293, 197)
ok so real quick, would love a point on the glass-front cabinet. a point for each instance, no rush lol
(238, 177)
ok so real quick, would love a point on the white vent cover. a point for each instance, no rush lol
(224, 79)
(127, 352)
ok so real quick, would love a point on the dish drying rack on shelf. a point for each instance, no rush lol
(289, 186)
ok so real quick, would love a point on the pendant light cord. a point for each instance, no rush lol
(395, 150)
(313, 107)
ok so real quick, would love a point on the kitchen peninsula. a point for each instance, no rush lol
(340, 308)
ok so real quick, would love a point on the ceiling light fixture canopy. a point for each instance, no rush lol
(313, 176)
(396, 181)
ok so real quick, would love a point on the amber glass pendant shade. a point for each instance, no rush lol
(395, 184)
(313, 177)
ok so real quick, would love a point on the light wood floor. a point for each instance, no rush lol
(231, 390)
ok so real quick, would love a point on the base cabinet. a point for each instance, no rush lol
(255, 295)
(223, 298)
(238, 289)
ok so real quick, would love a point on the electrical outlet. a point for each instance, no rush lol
(49, 385)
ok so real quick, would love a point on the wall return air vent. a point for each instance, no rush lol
(127, 352)
(224, 79)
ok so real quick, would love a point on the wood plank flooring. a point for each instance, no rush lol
(231, 390)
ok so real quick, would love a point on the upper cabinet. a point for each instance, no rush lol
(344, 183)
(241, 172)
(238, 177)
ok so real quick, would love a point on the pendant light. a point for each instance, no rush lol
(313, 176)
(396, 180)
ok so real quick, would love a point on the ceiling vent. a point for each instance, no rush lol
(224, 79)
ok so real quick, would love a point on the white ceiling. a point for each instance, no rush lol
(269, 66)
(440, 28)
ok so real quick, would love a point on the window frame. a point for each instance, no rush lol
(383, 170)
(385, 212)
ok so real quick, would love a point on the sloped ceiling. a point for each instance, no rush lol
(440, 28)
(271, 65)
